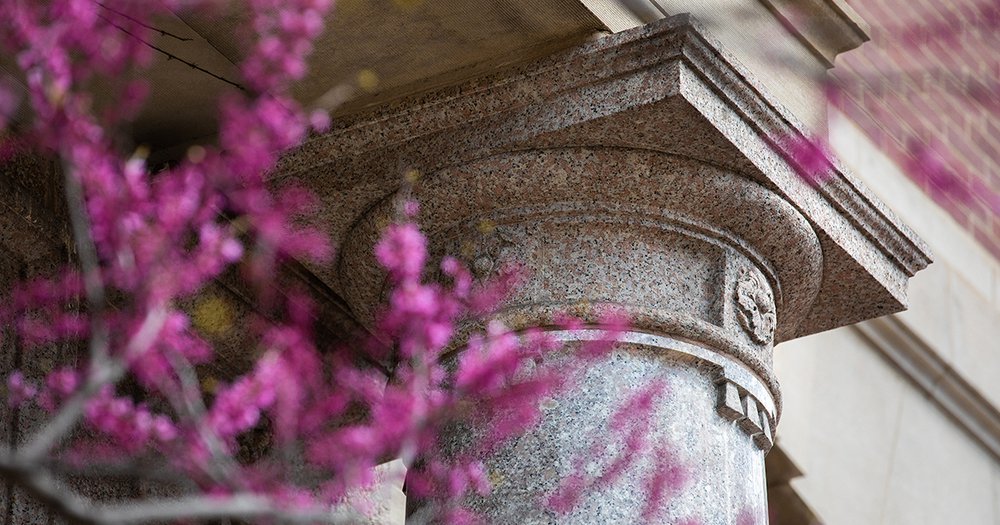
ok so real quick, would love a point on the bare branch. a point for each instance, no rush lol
(162, 32)
(244, 506)
(101, 374)
(171, 56)
(42, 485)
(90, 265)
(192, 407)
(238, 507)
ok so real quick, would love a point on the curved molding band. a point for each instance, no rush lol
(688, 249)
(743, 396)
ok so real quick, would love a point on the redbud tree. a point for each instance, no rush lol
(149, 239)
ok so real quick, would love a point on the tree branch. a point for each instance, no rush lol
(104, 373)
(171, 56)
(237, 506)
(162, 32)
(89, 264)
(193, 407)
(242, 506)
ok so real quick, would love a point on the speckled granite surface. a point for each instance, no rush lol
(723, 467)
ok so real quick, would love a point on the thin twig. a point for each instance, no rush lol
(139, 22)
(193, 407)
(171, 56)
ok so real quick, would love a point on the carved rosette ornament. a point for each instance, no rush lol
(488, 253)
(755, 307)
(482, 247)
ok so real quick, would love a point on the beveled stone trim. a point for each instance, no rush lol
(751, 422)
(849, 219)
(730, 405)
(724, 75)
(923, 367)
(826, 27)
(765, 440)
(741, 407)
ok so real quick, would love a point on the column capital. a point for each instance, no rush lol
(667, 88)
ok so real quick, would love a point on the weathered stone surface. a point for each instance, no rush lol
(788, 44)
(34, 241)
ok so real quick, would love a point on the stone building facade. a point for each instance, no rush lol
(642, 153)
(908, 428)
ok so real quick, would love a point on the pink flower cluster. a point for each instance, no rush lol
(19, 390)
(160, 238)
(286, 33)
(131, 426)
(155, 241)
(59, 385)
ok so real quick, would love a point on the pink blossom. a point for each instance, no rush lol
(63, 381)
(19, 390)
(402, 251)
(238, 407)
(130, 426)
(811, 158)
(163, 239)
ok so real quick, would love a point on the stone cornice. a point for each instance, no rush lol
(839, 187)
(826, 27)
(668, 87)
(919, 363)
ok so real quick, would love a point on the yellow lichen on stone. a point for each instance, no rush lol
(213, 316)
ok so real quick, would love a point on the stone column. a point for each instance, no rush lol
(645, 170)
(705, 262)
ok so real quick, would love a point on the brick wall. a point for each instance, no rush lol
(927, 90)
